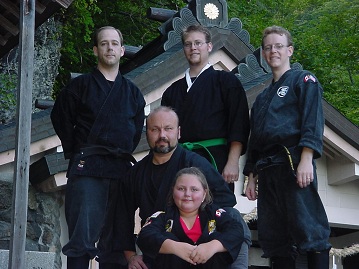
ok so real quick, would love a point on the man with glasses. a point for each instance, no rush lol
(286, 137)
(213, 112)
(211, 105)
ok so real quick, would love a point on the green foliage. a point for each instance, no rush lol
(328, 45)
(78, 26)
(326, 41)
(84, 16)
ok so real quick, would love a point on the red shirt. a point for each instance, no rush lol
(195, 232)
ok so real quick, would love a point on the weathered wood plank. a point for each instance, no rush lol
(23, 136)
(10, 7)
(9, 26)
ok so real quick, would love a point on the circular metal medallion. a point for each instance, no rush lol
(211, 11)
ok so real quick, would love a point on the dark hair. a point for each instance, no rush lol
(99, 30)
(164, 109)
(196, 28)
(277, 30)
(202, 179)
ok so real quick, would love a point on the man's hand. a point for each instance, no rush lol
(230, 172)
(305, 173)
(250, 191)
(136, 262)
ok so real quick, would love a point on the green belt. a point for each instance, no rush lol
(204, 144)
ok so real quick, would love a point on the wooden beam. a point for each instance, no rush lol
(130, 51)
(2, 40)
(40, 8)
(5, 23)
(23, 135)
(10, 7)
(44, 104)
(64, 3)
(160, 14)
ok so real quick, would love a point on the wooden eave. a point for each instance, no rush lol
(10, 19)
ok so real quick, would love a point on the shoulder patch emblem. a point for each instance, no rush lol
(282, 91)
(219, 212)
(310, 78)
(155, 215)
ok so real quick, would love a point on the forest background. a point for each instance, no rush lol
(325, 34)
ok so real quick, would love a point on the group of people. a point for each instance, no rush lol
(183, 188)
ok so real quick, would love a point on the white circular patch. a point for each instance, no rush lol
(282, 91)
(211, 11)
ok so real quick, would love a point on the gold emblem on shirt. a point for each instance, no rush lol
(169, 225)
(211, 226)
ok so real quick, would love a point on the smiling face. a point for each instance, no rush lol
(109, 49)
(276, 51)
(196, 54)
(188, 193)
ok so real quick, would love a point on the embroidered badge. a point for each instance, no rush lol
(310, 78)
(282, 91)
(169, 225)
(155, 215)
(211, 226)
(81, 164)
(219, 212)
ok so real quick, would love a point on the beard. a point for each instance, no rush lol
(163, 149)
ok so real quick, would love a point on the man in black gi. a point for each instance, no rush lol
(212, 109)
(211, 105)
(150, 180)
(286, 136)
(99, 119)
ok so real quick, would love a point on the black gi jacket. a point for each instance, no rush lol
(137, 191)
(215, 107)
(216, 224)
(89, 112)
(289, 112)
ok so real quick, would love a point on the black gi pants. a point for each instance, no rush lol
(90, 205)
(290, 218)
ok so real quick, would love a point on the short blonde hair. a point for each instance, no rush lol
(277, 30)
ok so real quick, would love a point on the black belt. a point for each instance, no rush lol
(103, 150)
(281, 157)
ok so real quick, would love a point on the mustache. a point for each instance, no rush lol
(162, 139)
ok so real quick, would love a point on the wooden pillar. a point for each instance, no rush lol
(23, 135)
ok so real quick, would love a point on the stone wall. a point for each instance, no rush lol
(43, 225)
(43, 220)
(46, 61)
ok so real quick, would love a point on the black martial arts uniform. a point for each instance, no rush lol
(99, 124)
(214, 107)
(147, 187)
(287, 115)
(216, 224)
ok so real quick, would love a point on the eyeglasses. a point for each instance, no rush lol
(197, 44)
(277, 47)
